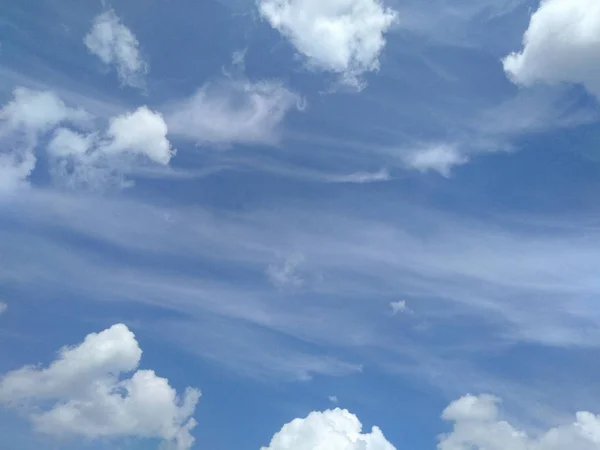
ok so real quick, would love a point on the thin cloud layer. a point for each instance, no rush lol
(117, 46)
(561, 44)
(85, 393)
(233, 112)
(336, 429)
(345, 37)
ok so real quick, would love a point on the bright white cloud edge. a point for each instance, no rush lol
(85, 392)
(345, 37)
(560, 45)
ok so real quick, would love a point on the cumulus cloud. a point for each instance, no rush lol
(233, 112)
(477, 425)
(115, 44)
(561, 44)
(96, 160)
(345, 37)
(440, 158)
(23, 120)
(335, 429)
(84, 393)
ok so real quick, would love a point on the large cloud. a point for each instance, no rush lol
(115, 44)
(478, 426)
(29, 115)
(561, 44)
(335, 429)
(83, 393)
(341, 36)
(233, 112)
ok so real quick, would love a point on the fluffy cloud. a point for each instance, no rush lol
(335, 429)
(83, 393)
(560, 45)
(95, 160)
(233, 112)
(28, 116)
(115, 44)
(477, 426)
(341, 36)
(440, 158)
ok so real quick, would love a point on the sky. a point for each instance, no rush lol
(299, 224)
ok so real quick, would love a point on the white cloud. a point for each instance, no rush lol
(398, 307)
(115, 44)
(477, 425)
(335, 429)
(286, 274)
(23, 120)
(333, 398)
(560, 45)
(440, 158)
(83, 393)
(233, 112)
(95, 160)
(3, 307)
(341, 36)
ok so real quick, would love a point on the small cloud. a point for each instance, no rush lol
(333, 398)
(440, 158)
(3, 307)
(399, 307)
(363, 177)
(286, 274)
(115, 44)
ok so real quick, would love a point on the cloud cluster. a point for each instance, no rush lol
(77, 156)
(477, 425)
(116, 45)
(233, 112)
(23, 120)
(84, 393)
(97, 159)
(345, 37)
(335, 429)
(561, 44)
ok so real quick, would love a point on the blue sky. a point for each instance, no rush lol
(231, 224)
